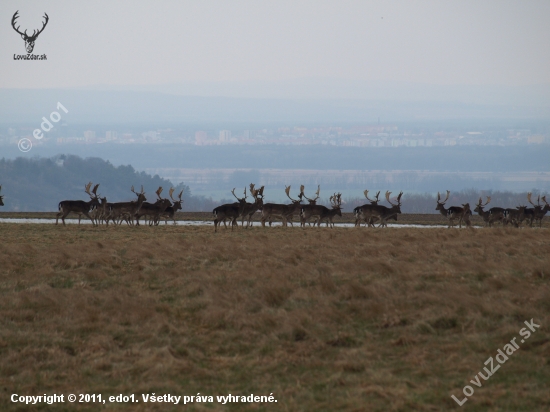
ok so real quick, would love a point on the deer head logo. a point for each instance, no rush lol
(29, 40)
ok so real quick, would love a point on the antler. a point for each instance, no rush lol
(179, 196)
(87, 189)
(374, 202)
(543, 198)
(158, 192)
(439, 197)
(240, 200)
(170, 193)
(141, 193)
(398, 198)
(94, 191)
(529, 198)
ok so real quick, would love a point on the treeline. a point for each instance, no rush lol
(39, 184)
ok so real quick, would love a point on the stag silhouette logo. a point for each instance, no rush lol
(29, 40)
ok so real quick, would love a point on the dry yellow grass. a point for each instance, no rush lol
(325, 319)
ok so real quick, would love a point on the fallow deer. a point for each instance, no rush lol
(282, 211)
(495, 214)
(170, 211)
(229, 211)
(462, 213)
(79, 207)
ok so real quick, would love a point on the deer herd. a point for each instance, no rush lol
(99, 211)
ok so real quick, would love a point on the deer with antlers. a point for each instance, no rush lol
(462, 213)
(495, 214)
(306, 210)
(29, 40)
(79, 207)
(152, 210)
(514, 216)
(170, 211)
(127, 210)
(250, 208)
(282, 211)
(370, 212)
(328, 214)
(229, 211)
(1, 197)
(538, 211)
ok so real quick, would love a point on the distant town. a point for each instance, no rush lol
(378, 135)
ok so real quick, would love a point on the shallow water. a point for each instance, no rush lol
(194, 223)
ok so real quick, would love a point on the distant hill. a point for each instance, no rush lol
(39, 184)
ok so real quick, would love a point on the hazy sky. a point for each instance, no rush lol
(137, 42)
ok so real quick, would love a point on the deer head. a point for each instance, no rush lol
(480, 205)
(29, 40)
(395, 205)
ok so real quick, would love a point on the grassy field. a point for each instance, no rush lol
(324, 319)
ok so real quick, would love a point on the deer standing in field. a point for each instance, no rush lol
(229, 211)
(79, 207)
(364, 212)
(170, 211)
(515, 216)
(328, 214)
(462, 213)
(282, 211)
(537, 212)
(152, 210)
(306, 210)
(127, 210)
(250, 208)
(495, 214)
(383, 213)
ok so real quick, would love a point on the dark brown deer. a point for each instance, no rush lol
(229, 211)
(152, 210)
(1, 198)
(328, 214)
(306, 210)
(282, 211)
(365, 212)
(250, 208)
(127, 210)
(537, 212)
(515, 216)
(29, 40)
(462, 213)
(79, 207)
(170, 211)
(495, 214)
